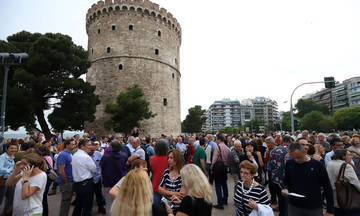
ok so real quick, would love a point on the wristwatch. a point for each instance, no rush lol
(25, 181)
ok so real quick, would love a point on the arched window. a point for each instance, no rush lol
(159, 33)
(98, 31)
(120, 66)
(165, 102)
(92, 50)
(113, 27)
(173, 75)
(108, 50)
(156, 52)
(131, 27)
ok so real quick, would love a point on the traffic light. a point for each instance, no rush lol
(329, 82)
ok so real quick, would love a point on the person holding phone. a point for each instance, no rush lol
(30, 180)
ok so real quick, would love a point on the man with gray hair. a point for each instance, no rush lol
(306, 176)
(321, 139)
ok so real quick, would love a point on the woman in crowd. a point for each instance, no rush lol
(135, 198)
(319, 153)
(355, 152)
(30, 180)
(136, 164)
(249, 194)
(340, 157)
(198, 201)
(45, 154)
(171, 181)
(158, 164)
(254, 157)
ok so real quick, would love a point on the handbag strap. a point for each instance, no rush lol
(220, 152)
(341, 172)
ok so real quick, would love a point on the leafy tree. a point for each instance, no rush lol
(347, 118)
(194, 120)
(130, 108)
(311, 120)
(327, 124)
(286, 122)
(49, 78)
(253, 124)
(304, 106)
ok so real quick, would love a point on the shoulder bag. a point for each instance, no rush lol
(53, 176)
(347, 195)
(219, 166)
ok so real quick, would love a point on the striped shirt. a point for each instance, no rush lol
(169, 184)
(258, 194)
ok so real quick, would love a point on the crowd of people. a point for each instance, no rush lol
(168, 175)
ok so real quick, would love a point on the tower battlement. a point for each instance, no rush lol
(146, 7)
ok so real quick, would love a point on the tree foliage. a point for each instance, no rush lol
(347, 118)
(194, 120)
(49, 78)
(285, 122)
(130, 108)
(253, 125)
(304, 106)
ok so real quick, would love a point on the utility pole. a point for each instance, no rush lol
(8, 59)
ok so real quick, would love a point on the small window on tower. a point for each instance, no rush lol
(165, 102)
(113, 27)
(120, 66)
(131, 27)
(173, 75)
(159, 33)
(156, 52)
(108, 50)
(98, 31)
(92, 50)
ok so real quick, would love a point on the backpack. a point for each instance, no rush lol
(219, 166)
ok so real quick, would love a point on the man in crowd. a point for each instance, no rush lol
(64, 168)
(125, 149)
(200, 156)
(321, 139)
(277, 167)
(335, 143)
(270, 143)
(136, 150)
(307, 177)
(6, 167)
(221, 153)
(96, 156)
(84, 169)
(180, 145)
(235, 155)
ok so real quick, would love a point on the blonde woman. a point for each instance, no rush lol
(199, 193)
(134, 197)
(319, 153)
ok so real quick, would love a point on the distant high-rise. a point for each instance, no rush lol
(232, 113)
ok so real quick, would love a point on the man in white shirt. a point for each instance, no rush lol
(83, 169)
(136, 150)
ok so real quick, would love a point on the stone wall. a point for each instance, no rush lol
(135, 42)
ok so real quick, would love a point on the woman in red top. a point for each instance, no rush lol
(159, 163)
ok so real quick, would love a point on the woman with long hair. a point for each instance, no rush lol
(198, 200)
(30, 180)
(171, 181)
(254, 157)
(134, 197)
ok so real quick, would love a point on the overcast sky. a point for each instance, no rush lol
(233, 49)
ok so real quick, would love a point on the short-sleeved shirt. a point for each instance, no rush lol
(33, 204)
(195, 206)
(65, 158)
(199, 154)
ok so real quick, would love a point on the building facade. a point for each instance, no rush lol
(135, 42)
(345, 94)
(232, 113)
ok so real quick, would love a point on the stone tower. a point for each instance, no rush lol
(135, 42)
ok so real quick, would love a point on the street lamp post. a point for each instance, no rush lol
(291, 105)
(8, 59)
